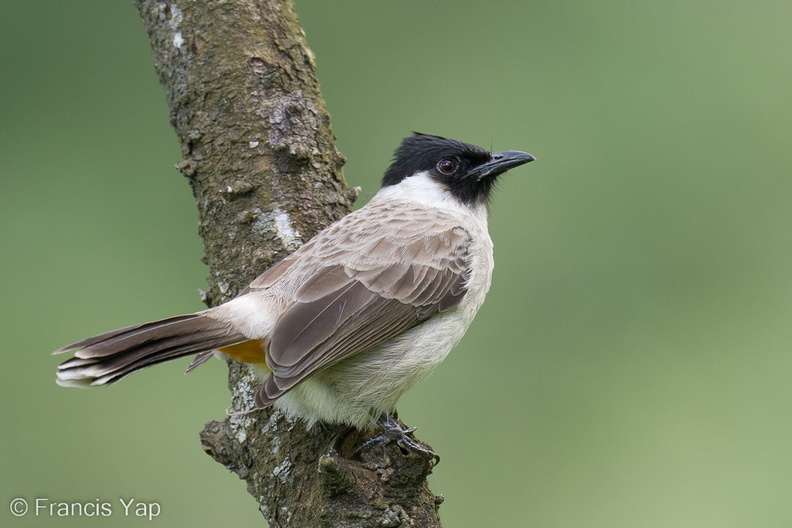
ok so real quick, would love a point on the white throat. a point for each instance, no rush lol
(423, 189)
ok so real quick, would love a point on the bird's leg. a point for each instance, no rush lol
(394, 431)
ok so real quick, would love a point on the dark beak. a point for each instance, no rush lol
(500, 162)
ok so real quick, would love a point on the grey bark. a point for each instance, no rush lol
(260, 158)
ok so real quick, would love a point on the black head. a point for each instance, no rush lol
(467, 171)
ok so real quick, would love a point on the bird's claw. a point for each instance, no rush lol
(393, 431)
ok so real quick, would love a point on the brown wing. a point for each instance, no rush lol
(269, 277)
(374, 294)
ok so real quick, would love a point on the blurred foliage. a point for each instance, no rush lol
(632, 364)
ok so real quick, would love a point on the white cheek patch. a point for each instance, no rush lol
(422, 189)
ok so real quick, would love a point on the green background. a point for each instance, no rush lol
(632, 365)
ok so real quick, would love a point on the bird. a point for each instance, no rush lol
(341, 328)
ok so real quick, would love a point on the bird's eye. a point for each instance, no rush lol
(447, 165)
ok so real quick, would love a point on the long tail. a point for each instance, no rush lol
(108, 357)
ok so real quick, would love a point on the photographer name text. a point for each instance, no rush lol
(44, 507)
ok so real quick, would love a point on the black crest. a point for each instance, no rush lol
(467, 171)
(446, 160)
(422, 152)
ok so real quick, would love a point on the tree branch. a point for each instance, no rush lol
(259, 154)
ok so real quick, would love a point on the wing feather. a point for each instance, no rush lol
(358, 299)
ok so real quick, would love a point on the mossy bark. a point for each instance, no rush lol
(260, 157)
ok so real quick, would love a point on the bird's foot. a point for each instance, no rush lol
(394, 431)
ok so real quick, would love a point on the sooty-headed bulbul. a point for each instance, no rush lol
(342, 327)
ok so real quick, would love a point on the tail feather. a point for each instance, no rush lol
(123, 368)
(199, 360)
(108, 357)
(111, 342)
